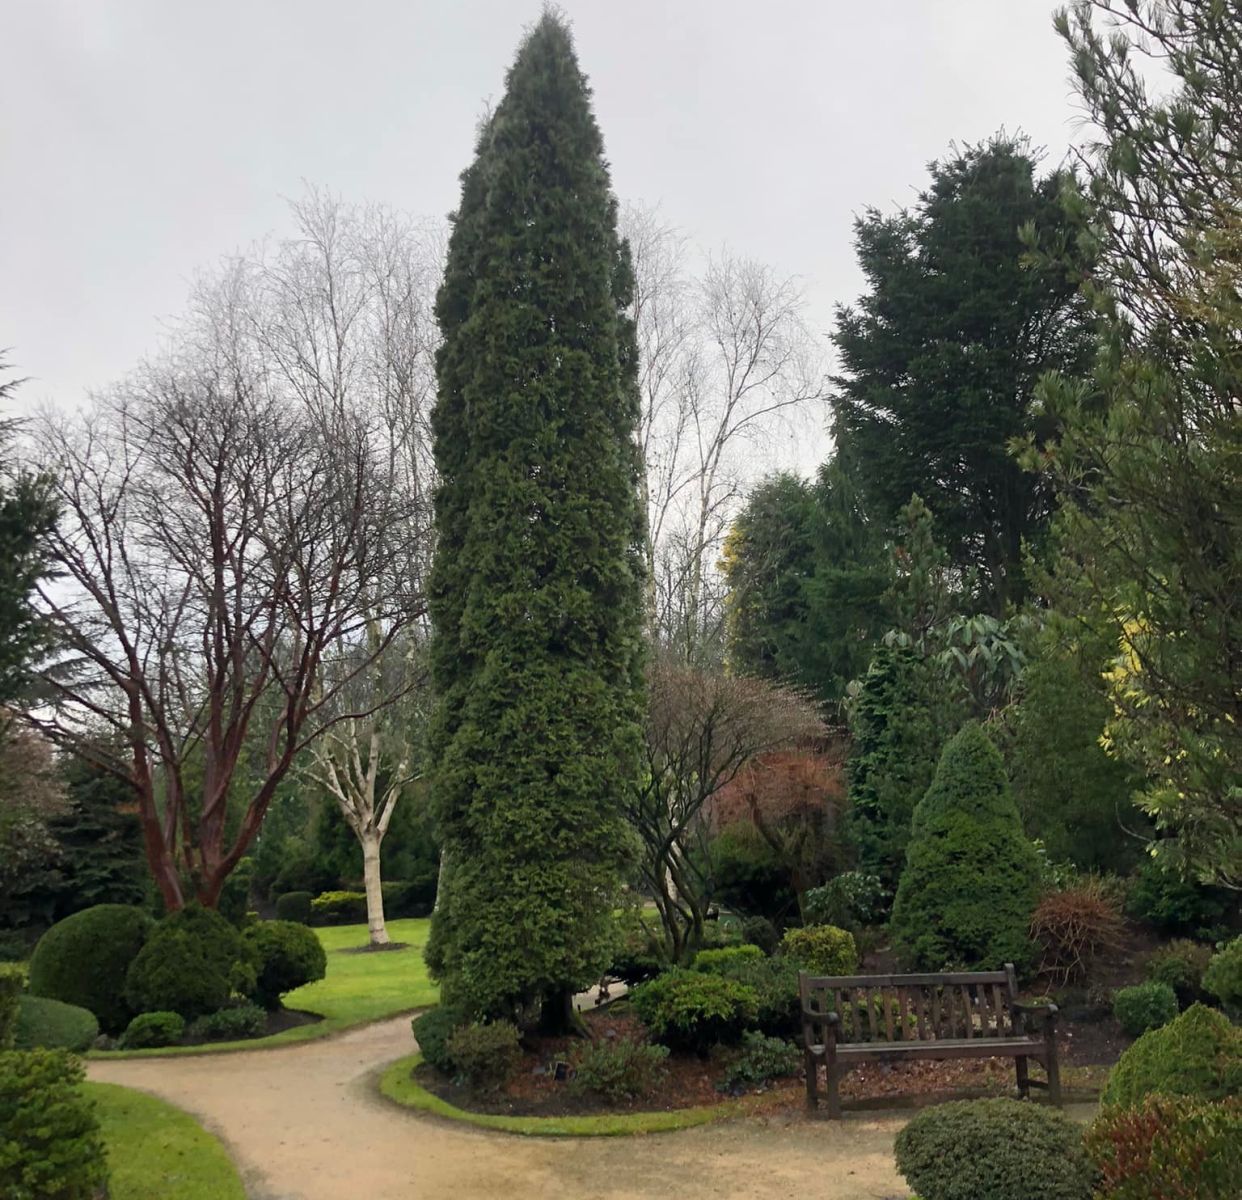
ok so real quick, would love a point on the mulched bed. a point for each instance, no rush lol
(535, 1091)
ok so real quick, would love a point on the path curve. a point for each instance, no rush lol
(305, 1122)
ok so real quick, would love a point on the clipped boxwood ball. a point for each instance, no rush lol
(287, 956)
(191, 964)
(1197, 1054)
(84, 959)
(994, 1150)
(44, 1024)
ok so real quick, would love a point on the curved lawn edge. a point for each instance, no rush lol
(156, 1149)
(397, 1086)
(328, 1027)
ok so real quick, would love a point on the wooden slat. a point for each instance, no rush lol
(998, 1010)
(956, 1048)
(888, 1013)
(937, 1028)
(920, 1000)
(969, 1012)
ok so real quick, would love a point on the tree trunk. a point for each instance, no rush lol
(557, 1015)
(375, 894)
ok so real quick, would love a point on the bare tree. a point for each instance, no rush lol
(703, 728)
(244, 527)
(726, 360)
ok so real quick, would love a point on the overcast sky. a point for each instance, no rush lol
(142, 139)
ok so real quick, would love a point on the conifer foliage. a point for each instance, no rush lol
(971, 878)
(537, 582)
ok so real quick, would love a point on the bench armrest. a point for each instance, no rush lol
(826, 1018)
(1045, 1012)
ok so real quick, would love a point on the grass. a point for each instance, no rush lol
(157, 1152)
(358, 989)
(398, 1085)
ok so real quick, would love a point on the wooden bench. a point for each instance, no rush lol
(849, 1019)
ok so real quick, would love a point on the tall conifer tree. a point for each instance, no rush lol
(537, 583)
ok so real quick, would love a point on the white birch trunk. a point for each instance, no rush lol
(376, 929)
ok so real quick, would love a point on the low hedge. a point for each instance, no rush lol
(338, 908)
(233, 1024)
(715, 962)
(486, 1054)
(50, 1148)
(51, 1025)
(821, 950)
(294, 906)
(994, 1150)
(148, 1031)
(1145, 1006)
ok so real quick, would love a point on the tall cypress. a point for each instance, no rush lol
(536, 589)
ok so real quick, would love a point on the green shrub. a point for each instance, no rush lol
(431, 1032)
(287, 955)
(821, 950)
(44, 1024)
(485, 1054)
(409, 897)
(294, 906)
(690, 1010)
(971, 878)
(775, 984)
(1223, 977)
(192, 963)
(232, 1024)
(850, 900)
(994, 1150)
(1144, 1006)
(1197, 1054)
(1181, 965)
(1168, 1148)
(749, 877)
(11, 985)
(762, 1059)
(714, 961)
(759, 931)
(618, 1070)
(721, 934)
(152, 1029)
(1175, 906)
(50, 1148)
(639, 954)
(339, 908)
(84, 959)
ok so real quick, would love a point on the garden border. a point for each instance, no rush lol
(397, 1087)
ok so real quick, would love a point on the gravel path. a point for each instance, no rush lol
(305, 1123)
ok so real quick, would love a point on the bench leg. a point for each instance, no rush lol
(812, 1070)
(833, 1073)
(1054, 1071)
(1024, 1077)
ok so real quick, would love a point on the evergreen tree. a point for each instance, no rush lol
(27, 514)
(806, 573)
(537, 583)
(942, 355)
(971, 878)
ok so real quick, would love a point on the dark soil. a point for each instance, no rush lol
(369, 949)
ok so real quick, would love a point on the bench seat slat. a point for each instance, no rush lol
(923, 980)
(945, 1048)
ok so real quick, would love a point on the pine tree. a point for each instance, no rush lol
(971, 877)
(537, 584)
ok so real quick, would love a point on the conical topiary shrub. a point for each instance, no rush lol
(971, 877)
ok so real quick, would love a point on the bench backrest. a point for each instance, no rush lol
(905, 1008)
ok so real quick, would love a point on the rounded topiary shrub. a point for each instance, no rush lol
(431, 1032)
(1196, 1054)
(761, 932)
(994, 1150)
(1223, 977)
(1181, 964)
(84, 959)
(1144, 1006)
(287, 955)
(294, 906)
(821, 950)
(691, 1010)
(150, 1030)
(1168, 1148)
(50, 1148)
(485, 1053)
(53, 1025)
(236, 1023)
(191, 964)
(971, 878)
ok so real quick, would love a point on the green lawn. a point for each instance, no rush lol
(357, 988)
(157, 1152)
